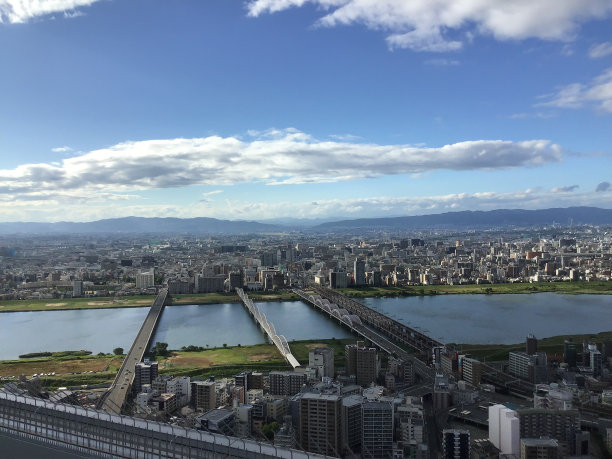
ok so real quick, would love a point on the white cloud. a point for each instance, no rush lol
(443, 25)
(601, 50)
(18, 11)
(595, 94)
(210, 193)
(63, 149)
(282, 157)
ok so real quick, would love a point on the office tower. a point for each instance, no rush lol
(569, 353)
(455, 444)
(359, 272)
(203, 395)
(376, 430)
(320, 423)
(322, 360)
(531, 344)
(504, 429)
(144, 373)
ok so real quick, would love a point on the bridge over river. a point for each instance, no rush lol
(112, 401)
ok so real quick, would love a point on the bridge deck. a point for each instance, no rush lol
(353, 321)
(114, 399)
(279, 340)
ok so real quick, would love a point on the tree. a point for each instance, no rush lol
(270, 429)
(118, 351)
(160, 349)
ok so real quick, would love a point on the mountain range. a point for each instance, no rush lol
(204, 225)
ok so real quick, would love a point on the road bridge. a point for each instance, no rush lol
(268, 327)
(391, 328)
(354, 323)
(112, 401)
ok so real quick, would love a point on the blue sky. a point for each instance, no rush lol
(310, 109)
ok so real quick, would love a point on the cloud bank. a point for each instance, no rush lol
(19, 11)
(275, 158)
(444, 25)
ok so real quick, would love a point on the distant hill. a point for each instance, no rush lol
(200, 225)
(204, 225)
(478, 219)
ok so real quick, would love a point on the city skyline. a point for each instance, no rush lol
(324, 109)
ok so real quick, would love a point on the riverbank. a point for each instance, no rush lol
(552, 346)
(567, 288)
(220, 362)
(140, 301)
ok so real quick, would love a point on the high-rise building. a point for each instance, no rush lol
(321, 359)
(144, 373)
(145, 280)
(595, 362)
(533, 368)
(235, 280)
(77, 288)
(504, 429)
(320, 423)
(359, 272)
(203, 395)
(351, 424)
(531, 344)
(337, 279)
(376, 430)
(569, 353)
(286, 382)
(362, 362)
(455, 444)
(471, 370)
(558, 424)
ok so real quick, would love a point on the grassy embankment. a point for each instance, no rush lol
(136, 301)
(73, 370)
(552, 345)
(365, 292)
(570, 288)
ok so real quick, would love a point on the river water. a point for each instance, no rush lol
(448, 318)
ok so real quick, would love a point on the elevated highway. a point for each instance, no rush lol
(268, 327)
(112, 401)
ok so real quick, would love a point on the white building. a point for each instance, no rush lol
(504, 429)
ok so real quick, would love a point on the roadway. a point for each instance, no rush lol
(426, 373)
(114, 398)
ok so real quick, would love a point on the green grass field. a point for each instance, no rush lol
(136, 301)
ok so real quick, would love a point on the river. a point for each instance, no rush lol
(482, 319)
